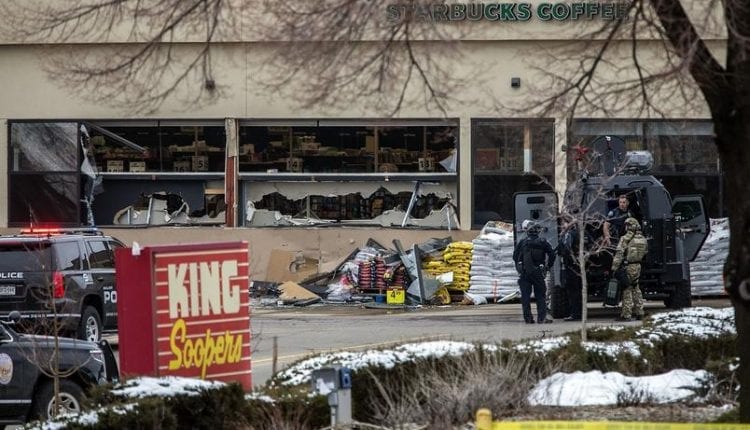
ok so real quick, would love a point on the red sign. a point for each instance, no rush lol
(184, 311)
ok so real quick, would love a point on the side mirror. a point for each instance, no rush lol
(14, 317)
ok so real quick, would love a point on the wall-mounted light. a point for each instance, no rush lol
(515, 82)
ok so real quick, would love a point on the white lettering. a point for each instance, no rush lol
(194, 297)
(110, 297)
(210, 289)
(178, 295)
(231, 298)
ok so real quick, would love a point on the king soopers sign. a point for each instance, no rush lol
(444, 12)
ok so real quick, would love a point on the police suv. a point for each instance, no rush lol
(675, 227)
(60, 280)
(26, 369)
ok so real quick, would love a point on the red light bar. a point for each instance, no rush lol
(41, 230)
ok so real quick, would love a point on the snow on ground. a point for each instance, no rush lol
(597, 388)
(559, 389)
(301, 372)
(167, 386)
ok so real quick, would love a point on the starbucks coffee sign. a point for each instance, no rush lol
(445, 12)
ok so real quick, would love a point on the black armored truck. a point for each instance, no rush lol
(675, 227)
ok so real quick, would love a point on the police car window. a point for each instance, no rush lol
(100, 256)
(25, 256)
(68, 255)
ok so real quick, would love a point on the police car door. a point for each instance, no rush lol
(692, 223)
(102, 263)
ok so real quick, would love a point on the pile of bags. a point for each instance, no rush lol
(457, 257)
(493, 274)
(705, 271)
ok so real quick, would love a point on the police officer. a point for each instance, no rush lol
(567, 249)
(614, 226)
(631, 249)
(533, 256)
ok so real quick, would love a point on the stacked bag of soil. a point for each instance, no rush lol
(493, 274)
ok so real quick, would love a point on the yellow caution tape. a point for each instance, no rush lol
(484, 422)
(607, 425)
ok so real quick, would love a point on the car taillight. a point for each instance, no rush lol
(58, 285)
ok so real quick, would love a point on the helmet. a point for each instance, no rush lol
(632, 224)
(533, 228)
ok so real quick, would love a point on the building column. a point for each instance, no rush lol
(231, 167)
(465, 190)
(561, 157)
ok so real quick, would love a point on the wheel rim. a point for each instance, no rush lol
(67, 404)
(92, 330)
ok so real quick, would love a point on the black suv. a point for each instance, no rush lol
(67, 274)
(26, 387)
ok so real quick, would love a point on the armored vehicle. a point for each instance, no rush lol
(675, 228)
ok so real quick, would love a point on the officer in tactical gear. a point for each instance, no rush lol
(626, 266)
(533, 257)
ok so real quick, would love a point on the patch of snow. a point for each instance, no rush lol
(700, 322)
(168, 386)
(613, 349)
(300, 373)
(597, 388)
(542, 346)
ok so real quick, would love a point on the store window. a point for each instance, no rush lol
(158, 147)
(44, 174)
(685, 157)
(347, 149)
(352, 172)
(509, 156)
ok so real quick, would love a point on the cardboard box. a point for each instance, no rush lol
(286, 265)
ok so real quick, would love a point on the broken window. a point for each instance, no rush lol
(44, 179)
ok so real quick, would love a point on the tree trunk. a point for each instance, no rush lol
(732, 132)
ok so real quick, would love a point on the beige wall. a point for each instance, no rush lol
(330, 246)
(483, 66)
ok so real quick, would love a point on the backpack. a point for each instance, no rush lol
(533, 254)
(637, 248)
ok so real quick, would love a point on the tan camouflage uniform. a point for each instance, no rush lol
(632, 299)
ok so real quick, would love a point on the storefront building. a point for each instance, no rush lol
(252, 159)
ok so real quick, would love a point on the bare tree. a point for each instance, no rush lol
(331, 51)
(610, 74)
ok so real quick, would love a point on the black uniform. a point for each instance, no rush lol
(616, 218)
(571, 272)
(533, 257)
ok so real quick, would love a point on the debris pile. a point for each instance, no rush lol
(440, 271)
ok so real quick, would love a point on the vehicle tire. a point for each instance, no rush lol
(90, 326)
(559, 299)
(71, 397)
(680, 298)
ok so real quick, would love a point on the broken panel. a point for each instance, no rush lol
(350, 203)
